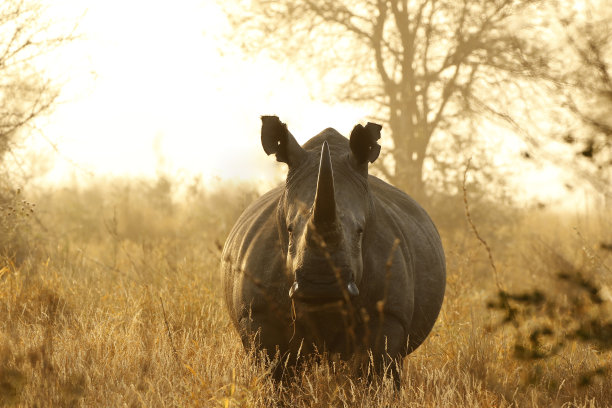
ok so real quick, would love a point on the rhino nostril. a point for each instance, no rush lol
(352, 289)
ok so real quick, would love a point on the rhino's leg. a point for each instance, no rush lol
(388, 340)
(261, 331)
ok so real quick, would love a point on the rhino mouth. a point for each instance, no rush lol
(309, 292)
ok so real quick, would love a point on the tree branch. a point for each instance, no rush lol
(377, 45)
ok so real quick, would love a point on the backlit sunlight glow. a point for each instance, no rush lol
(162, 93)
(155, 88)
(152, 254)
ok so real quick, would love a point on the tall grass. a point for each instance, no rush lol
(117, 301)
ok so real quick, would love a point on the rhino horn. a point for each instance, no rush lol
(325, 201)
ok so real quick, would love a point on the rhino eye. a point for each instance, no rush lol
(359, 230)
(290, 229)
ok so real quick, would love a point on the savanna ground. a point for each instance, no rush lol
(110, 295)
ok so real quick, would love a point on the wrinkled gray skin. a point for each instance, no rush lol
(361, 261)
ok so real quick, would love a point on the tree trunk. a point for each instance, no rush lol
(408, 174)
(410, 140)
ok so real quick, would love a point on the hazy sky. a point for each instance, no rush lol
(154, 85)
(155, 78)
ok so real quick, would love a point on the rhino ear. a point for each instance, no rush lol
(363, 143)
(275, 138)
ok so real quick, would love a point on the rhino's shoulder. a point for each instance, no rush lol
(392, 198)
(406, 213)
(397, 210)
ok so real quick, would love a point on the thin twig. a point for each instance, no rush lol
(482, 241)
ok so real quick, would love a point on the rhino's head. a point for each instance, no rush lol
(323, 214)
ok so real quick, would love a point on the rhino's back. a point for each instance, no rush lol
(252, 253)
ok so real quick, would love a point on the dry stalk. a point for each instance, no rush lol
(475, 230)
(174, 351)
(380, 305)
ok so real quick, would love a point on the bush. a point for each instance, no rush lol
(16, 214)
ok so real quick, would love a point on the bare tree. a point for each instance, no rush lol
(27, 35)
(572, 61)
(586, 85)
(426, 67)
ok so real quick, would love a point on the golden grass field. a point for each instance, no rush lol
(110, 295)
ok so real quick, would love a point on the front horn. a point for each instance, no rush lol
(325, 201)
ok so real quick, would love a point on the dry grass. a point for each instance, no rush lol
(121, 305)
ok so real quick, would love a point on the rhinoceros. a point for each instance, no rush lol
(334, 260)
